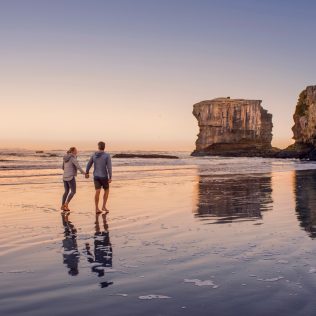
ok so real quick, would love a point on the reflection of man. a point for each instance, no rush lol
(71, 254)
(102, 256)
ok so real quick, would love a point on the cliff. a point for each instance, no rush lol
(304, 129)
(233, 127)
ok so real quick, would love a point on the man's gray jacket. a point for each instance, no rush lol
(102, 165)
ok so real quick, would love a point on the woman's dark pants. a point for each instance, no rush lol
(70, 186)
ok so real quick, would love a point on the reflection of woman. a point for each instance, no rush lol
(70, 254)
(70, 167)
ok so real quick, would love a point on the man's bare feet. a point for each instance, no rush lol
(104, 209)
(98, 211)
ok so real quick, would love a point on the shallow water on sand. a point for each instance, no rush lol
(174, 243)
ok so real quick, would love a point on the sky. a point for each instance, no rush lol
(128, 72)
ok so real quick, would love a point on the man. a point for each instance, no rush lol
(102, 175)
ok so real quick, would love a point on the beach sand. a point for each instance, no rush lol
(172, 245)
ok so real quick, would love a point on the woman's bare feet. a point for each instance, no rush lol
(65, 208)
(98, 211)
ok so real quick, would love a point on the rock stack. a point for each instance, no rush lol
(233, 127)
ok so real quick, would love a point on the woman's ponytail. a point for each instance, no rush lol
(71, 150)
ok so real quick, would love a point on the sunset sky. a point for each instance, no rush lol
(128, 72)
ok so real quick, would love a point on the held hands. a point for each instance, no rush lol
(86, 175)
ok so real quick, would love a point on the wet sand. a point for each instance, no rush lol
(171, 245)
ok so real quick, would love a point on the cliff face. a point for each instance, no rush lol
(229, 126)
(304, 128)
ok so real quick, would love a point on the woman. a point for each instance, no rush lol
(70, 167)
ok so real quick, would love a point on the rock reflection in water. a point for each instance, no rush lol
(233, 198)
(305, 198)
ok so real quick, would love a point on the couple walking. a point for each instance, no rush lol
(102, 176)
